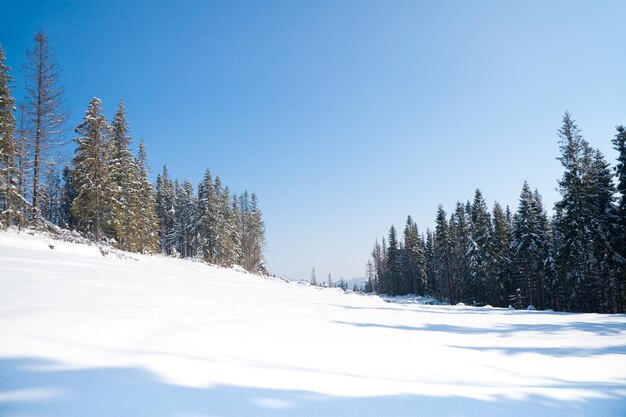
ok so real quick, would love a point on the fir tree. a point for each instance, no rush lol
(10, 196)
(185, 218)
(414, 274)
(530, 248)
(501, 256)
(146, 208)
(394, 263)
(166, 211)
(313, 278)
(619, 232)
(91, 176)
(443, 255)
(480, 250)
(460, 238)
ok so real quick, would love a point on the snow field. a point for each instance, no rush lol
(82, 334)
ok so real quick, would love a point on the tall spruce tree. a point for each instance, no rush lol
(619, 233)
(91, 176)
(394, 263)
(414, 270)
(443, 257)
(166, 211)
(460, 240)
(529, 249)
(480, 251)
(185, 219)
(501, 256)
(148, 221)
(581, 220)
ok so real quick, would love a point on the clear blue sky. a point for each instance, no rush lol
(344, 116)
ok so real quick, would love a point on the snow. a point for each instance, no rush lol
(82, 334)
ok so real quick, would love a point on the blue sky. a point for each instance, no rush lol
(344, 116)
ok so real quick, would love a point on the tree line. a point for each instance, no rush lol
(104, 192)
(573, 260)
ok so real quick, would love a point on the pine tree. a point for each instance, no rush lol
(414, 274)
(443, 257)
(313, 278)
(166, 211)
(460, 239)
(207, 212)
(394, 263)
(371, 277)
(619, 228)
(431, 266)
(530, 248)
(147, 225)
(51, 194)
(257, 228)
(480, 250)
(579, 220)
(68, 195)
(46, 110)
(185, 219)
(501, 256)
(91, 176)
(10, 196)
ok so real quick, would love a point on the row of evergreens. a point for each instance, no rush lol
(573, 260)
(104, 192)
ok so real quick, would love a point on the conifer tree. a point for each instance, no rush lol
(443, 257)
(207, 212)
(431, 267)
(414, 271)
(166, 211)
(460, 239)
(619, 232)
(313, 278)
(480, 250)
(10, 195)
(530, 248)
(185, 219)
(91, 176)
(51, 193)
(394, 263)
(146, 208)
(46, 110)
(501, 256)
(579, 219)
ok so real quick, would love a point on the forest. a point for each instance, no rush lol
(571, 260)
(104, 191)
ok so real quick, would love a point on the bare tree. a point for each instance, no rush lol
(46, 111)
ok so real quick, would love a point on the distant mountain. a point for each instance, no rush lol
(360, 282)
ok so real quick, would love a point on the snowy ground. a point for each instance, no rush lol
(87, 335)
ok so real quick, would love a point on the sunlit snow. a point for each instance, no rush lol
(126, 335)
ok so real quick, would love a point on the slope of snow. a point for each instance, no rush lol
(82, 334)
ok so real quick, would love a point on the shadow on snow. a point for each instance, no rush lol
(133, 392)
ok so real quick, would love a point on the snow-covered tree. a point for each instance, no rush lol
(11, 198)
(91, 177)
(166, 211)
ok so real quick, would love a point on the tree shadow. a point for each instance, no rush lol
(557, 352)
(34, 387)
(509, 329)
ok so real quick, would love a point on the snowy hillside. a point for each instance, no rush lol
(82, 334)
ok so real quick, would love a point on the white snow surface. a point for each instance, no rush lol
(126, 335)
